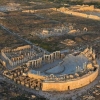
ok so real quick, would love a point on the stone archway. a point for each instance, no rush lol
(85, 29)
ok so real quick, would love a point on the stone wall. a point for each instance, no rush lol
(34, 11)
(70, 84)
(66, 11)
(23, 47)
(88, 8)
(3, 63)
(31, 75)
(8, 50)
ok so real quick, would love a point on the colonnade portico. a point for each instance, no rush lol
(52, 56)
(27, 54)
(35, 63)
(45, 59)
(7, 49)
(18, 55)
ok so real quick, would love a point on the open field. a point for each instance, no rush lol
(7, 40)
(27, 25)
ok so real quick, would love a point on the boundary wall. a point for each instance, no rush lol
(66, 11)
(70, 84)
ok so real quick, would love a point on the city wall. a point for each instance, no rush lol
(70, 12)
(70, 84)
(66, 11)
(86, 8)
(34, 11)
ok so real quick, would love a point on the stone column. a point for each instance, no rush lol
(14, 63)
(37, 63)
(30, 64)
(54, 54)
(22, 60)
(34, 63)
(57, 54)
(28, 54)
(49, 58)
(44, 58)
(41, 60)
(18, 61)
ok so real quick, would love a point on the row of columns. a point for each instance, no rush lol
(17, 58)
(13, 50)
(28, 55)
(6, 50)
(35, 63)
(46, 58)
(52, 56)
(78, 68)
(22, 58)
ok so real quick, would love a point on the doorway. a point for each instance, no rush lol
(68, 87)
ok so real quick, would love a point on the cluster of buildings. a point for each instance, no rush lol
(61, 31)
(18, 75)
(27, 71)
(17, 56)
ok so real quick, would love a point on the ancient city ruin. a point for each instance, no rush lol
(37, 69)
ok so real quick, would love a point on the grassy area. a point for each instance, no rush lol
(49, 46)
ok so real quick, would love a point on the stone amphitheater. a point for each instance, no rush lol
(37, 69)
